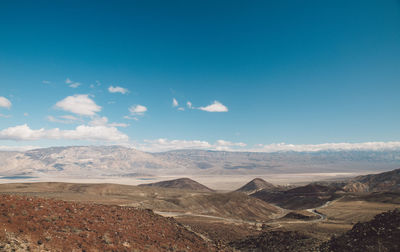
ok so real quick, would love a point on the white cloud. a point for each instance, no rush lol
(181, 109)
(189, 104)
(4, 102)
(215, 107)
(228, 143)
(367, 146)
(26, 114)
(81, 132)
(79, 104)
(222, 145)
(121, 90)
(46, 82)
(137, 110)
(99, 121)
(103, 121)
(72, 84)
(175, 103)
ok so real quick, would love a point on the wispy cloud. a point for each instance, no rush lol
(65, 119)
(175, 103)
(117, 89)
(79, 104)
(103, 121)
(72, 84)
(46, 82)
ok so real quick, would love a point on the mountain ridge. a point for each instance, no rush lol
(109, 161)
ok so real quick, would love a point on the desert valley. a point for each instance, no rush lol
(190, 216)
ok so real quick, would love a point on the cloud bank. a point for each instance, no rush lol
(81, 132)
(163, 144)
(366, 146)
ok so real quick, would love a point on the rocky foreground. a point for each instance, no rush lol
(33, 224)
(380, 234)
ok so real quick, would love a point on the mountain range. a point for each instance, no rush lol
(118, 161)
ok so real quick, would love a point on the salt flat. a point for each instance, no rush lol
(217, 182)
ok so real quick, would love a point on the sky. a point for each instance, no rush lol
(218, 75)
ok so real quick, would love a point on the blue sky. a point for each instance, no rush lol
(294, 72)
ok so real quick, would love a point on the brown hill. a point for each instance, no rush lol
(225, 205)
(182, 183)
(303, 197)
(50, 225)
(380, 234)
(386, 181)
(255, 185)
(233, 205)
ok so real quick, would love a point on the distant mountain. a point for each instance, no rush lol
(118, 161)
(255, 185)
(83, 162)
(182, 183)
(224, 162)
(386, 181)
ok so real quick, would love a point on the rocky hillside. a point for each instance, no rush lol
(51, 225)
(380, 234)
(386, 181)
(223, 205)
(303, 197)
(255, 185)
(182, 183)
(277, 241)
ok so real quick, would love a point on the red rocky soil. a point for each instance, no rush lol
(32, 224)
